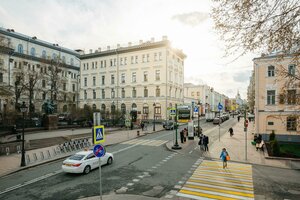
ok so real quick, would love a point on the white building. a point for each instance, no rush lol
(146, 77)
(30, 57)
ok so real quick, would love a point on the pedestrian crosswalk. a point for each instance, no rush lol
(147, 142)
(211, 181)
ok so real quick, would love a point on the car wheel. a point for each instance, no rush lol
(109, 161)
(87, 169)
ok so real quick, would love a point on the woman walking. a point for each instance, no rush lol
(224, 156)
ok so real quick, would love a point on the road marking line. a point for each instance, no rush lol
(221, 186)
(222, 174)
(200, 196)
(225, 181)
(223, 171)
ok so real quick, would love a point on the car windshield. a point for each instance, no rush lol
(76, 157)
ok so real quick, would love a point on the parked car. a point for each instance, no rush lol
(170, 125)
(217, 120)
(85, 161)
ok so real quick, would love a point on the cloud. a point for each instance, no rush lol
(242, 76)
(192, 18)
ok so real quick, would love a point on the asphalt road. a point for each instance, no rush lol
(143, 166)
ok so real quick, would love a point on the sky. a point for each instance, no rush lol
(90, 24)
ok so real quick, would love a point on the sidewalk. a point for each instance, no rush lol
(235, 146)
(11, 163)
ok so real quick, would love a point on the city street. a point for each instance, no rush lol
(144, 166)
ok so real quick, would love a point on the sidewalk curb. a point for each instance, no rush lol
(65, 156)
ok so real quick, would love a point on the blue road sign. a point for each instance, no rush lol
(220, 107)
(196, 109)
(99, 150)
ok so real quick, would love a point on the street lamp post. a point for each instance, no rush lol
(199, 113)
(154, 116)
(23, 109)
(176, 145)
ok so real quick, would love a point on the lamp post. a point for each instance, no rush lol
(154, 116)
(176, 145)
(113, 112)
(23, 109)
(199, 113)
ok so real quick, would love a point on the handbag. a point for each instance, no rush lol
(227, 157)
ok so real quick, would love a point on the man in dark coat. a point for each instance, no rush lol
(205, 143)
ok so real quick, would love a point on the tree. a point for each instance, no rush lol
(19, 88)
(263, 25)
(30, 86)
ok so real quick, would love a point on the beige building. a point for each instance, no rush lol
(146, 77)
(205, 95)
(276, 102)
(24, 58)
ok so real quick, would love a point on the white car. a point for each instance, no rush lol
(85, 161)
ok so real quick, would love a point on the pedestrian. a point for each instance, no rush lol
(142, 125)
(181, 136)
(185, 133)
(239, 118)
(205, 142)
(200, 143)
(230, 130)
(224, 157)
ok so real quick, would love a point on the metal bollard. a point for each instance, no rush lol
(7, 151)
(27, 159)
(18, 149)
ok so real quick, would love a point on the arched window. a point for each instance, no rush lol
(65, 108)
(94, 107)
(32, 51)
(63, 59)
(54, 56)
(113, 108)
(20, 48)
(44, 55)
(134, 106)
(123, 108)
(103, 107)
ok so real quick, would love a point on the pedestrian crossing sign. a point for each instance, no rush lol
(98, 134)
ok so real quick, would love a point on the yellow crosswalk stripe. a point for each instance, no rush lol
(211, 181)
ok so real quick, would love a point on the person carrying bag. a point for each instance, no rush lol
(224, 157)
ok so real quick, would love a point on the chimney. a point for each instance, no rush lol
(152, 39)
(99, 49)
(108, 48)
(118, 46)
(129, 44)
(91, 50)
(141, 41)
(164, 37)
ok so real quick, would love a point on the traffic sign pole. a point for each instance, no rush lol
(100, 178)
(99, 151)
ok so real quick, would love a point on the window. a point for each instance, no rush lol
(155, 56)
(54, 56)
(132, 59)
(72, 61)
(134, 77)
(271, 71)
(121, 61)
(43, 83)
(143, 58)
(103, 94)
(123, 108)
(145, 110)
(73, 87)
(32, 51)
(136, 59)
(291, 96)
(292, 69)
(63, 58)
(104, 63)
(291, 124)
(123, 78)
(157, 75)
(64, 86)
(160, 56)
(148, 58)
(112, 93)
(94, 94)
(157, 91)
(123, 93)
(103, 80)
(44, 55)
(94, 81)
(85, 81)
(65, 97)
(1, 77)
(101, 63)
(270, 123)
(133, 92)
(74, 97)
(271, 97)
(93, 65)
(112, 79)
(20, 48)
(85, 94)
(145, 76)
(145, 92)
(111, 62)
(125, 61)
(44, 96)
(115, 61)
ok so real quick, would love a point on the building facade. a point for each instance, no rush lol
(277, 105)
(146, 77)
(27, 73)
(206, 96)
